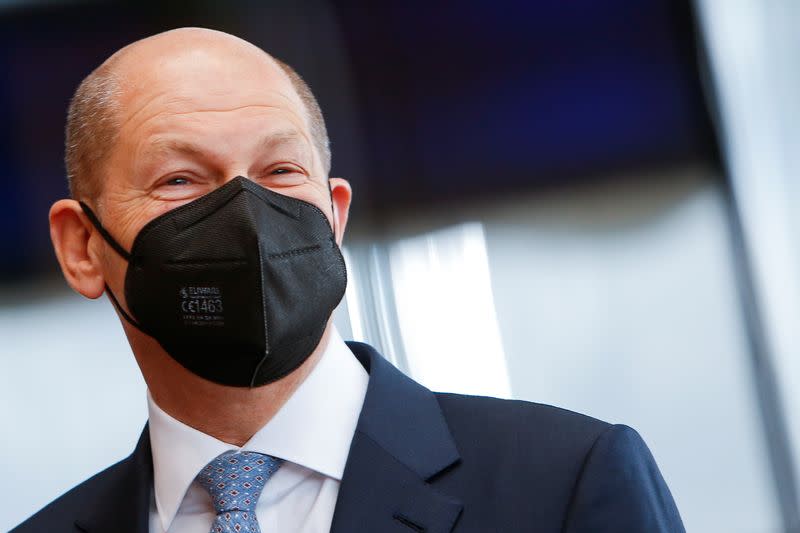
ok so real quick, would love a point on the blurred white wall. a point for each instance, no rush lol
(754, 49)
(73, 399)
(442, 285)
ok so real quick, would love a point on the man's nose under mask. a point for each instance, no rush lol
(237, 286)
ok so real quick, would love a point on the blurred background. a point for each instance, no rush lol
(587, 204)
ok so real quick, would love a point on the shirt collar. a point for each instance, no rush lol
(314, 429)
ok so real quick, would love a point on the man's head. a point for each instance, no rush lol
(167, 120)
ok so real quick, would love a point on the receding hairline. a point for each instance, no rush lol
(93, 117)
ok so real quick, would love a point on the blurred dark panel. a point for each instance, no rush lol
(482, 97)
(44, 53)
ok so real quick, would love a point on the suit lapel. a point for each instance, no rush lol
(401, 442)
(125, 506)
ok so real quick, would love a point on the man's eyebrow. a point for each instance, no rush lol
(168, 145)
(282, 137)
(293, 140)
(270, 141)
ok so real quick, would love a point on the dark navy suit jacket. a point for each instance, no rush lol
(437, 463)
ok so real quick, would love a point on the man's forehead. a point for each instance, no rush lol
(188, 70)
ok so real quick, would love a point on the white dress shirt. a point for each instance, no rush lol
(311, 433)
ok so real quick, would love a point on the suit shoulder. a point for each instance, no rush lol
(621, 488)
(523, 422)
(499, 411)
(60, 514)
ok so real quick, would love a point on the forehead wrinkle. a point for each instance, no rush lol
(226, 110)
(167, 142)
(168, 113)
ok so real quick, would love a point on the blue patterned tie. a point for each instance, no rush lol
(234, 480)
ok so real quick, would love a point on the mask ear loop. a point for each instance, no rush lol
(123, 253)
(106, 235)
(333, 209)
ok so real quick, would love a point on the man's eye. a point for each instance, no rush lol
(282, 177)
(177, 181)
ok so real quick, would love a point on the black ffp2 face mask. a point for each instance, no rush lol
(237, 286)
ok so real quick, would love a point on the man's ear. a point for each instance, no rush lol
(70, 232)
(341, 194)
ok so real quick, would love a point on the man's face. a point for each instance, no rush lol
(193, 119)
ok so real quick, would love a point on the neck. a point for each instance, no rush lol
(230, 414)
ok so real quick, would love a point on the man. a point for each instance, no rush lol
(201, 205)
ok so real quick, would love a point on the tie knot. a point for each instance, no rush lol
(235, 479)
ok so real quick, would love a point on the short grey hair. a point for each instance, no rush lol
(92, 130)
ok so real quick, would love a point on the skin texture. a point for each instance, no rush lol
(199, 107)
